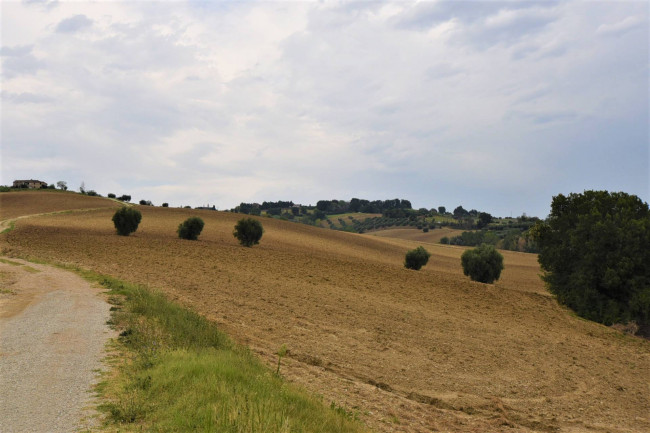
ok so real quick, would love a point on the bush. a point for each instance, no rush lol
(126, 220)
(444, 240)
(483, 264)
(416, 258)
(165, 205)
(248, 231)
(111, 195)
(425, 230)
(190, 229)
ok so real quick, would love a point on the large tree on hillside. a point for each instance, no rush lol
(595, 251)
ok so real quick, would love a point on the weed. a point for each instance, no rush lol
(282, 352)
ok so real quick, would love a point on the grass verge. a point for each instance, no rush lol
(175, 371)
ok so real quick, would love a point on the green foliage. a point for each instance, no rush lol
(4, 188)
(184, 374)
(248, 231)
(126, 220)
(190, 229)
(483, 264)
(474, 238)
(484, 219)
(444, 240)
(595, 251)
(416, 258)
(110, 195)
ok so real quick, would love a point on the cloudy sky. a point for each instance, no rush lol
(496, 106)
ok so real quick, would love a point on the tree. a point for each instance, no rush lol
(190, 229)
(483, 264)
(62, 185)
(82, 187)
(442, 210)
(165, 205)
(484, 219)
(460, 212)
(416, 258)
(126, 220)
(124, 197)
(595, 251)
(248, 231)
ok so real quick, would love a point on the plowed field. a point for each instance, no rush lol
(408, 351)
(19, 203)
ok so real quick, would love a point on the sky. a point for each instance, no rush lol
(494, 106)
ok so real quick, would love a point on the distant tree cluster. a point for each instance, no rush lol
(595, 251)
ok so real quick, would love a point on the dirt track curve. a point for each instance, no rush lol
(52, 337)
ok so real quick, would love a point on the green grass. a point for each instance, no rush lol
(12, 225)
(175, 371)
(10, 262)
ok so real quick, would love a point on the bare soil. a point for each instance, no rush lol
(408, 351)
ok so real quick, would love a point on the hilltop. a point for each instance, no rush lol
(408, 351)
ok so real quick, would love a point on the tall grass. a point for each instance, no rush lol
(177, 372)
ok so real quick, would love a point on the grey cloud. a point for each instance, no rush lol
(73, 24)
(47, 4)
(621, 27)
(21, 65)
(481, 24)
(16, 51)
(25, 98)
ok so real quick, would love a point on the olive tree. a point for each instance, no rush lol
(190, 229)
(416, 258)
(126, 220)
(483, 264)
(248, 231)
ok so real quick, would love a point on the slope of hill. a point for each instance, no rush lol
(413, 234)
(410, 351)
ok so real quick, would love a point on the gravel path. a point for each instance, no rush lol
(52, 338)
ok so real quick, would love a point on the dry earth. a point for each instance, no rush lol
(52, 336)
(412, 234)
(409, 351)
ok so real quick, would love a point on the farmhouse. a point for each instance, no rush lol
(33, 184)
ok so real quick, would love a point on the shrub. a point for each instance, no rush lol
(425, 230)
(111, 195)
(190, 228)
(165, 205)
(248, 231)
(126, 220)
(483, 264)
(416, 258)
(444, 240)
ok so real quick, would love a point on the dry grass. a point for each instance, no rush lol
(411, 351)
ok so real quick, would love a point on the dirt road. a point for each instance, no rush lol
(52, 337)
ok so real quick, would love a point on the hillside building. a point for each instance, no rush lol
(31, 183)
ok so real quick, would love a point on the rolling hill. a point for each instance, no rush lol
(408, 351)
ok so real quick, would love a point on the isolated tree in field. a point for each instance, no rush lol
(416, 258)
(248, 231)
(126, 220)
(483, 264)
(190, 228)
(62, 185)
(595, 251)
